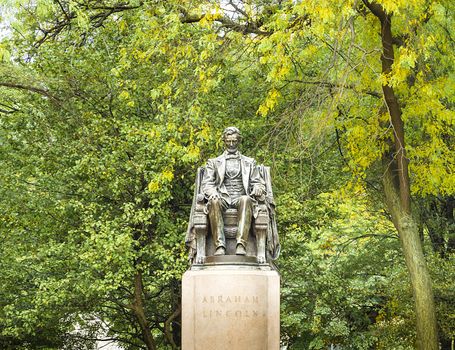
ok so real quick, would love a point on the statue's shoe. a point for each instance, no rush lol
(240, 250)
(220, 251)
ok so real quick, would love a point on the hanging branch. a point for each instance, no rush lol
(96, 20)
(35, 89)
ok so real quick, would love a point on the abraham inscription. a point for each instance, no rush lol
(232, 306)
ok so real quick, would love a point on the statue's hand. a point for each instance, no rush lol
(257, 192)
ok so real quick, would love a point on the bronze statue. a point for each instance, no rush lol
(233, 190)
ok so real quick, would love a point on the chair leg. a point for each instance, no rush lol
(201, 233)
(261, 234)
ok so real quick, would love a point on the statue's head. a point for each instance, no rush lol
(232, 138)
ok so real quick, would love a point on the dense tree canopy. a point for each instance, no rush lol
(108, 107)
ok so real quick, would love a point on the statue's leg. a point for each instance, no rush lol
(217, 226)
(245, 213)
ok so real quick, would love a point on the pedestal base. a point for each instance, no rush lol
(226, 308)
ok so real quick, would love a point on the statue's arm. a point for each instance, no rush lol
(209, 180)
(256, 181)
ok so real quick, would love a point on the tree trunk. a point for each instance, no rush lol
(415, 262)
(138, 308)
(398, 197)
(168, 328)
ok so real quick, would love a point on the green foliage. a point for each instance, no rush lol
(335, 266)
(108, 108)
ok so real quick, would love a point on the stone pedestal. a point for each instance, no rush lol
(231, 307)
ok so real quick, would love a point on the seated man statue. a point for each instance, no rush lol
(233, 182)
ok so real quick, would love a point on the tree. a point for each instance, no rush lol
(93, 190)
(341, 36)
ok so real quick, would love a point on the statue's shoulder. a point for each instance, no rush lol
(214, 161)
(247, 159)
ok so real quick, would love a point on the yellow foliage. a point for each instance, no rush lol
(392, 6)
(213, 14)
(167, 175)
(269, 103)
(124, 95)
(205, 132)
(123, 25)
(154, 134)
(154, 186)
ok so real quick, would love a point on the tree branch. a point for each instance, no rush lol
(333, 85)
(35, 89)
(9, 109)
(226, 22)
(167, 327)
(393, 106)
(96, 19)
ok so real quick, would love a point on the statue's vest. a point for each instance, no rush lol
(233, 179)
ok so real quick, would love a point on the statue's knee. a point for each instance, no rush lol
(215, 202)
(245, 200)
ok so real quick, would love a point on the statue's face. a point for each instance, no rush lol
(232, 143)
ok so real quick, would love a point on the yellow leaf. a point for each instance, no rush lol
(124, 95)
(167, 175)
(154, 186)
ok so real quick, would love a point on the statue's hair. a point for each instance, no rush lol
(231, 130)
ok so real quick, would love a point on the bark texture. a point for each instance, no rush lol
(411, 244)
